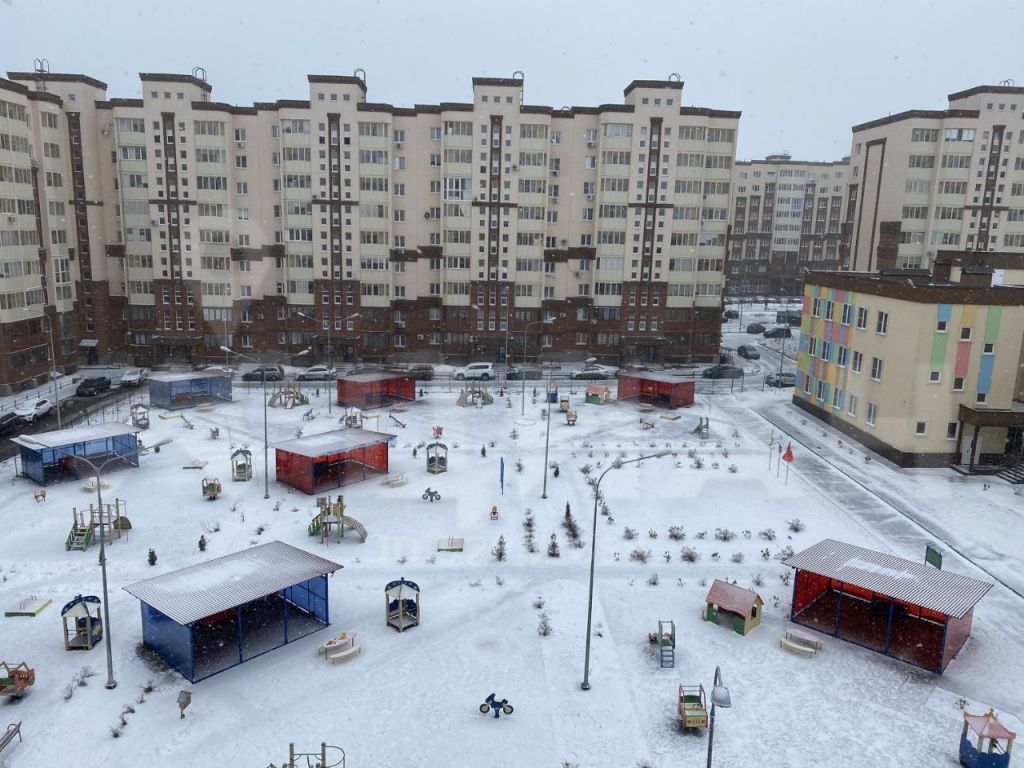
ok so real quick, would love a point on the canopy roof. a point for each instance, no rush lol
(395, 588)
(338, 441)
(951, 594)
(201, 590)
(988, 726)
(732, 598)
(663, 378)
(187, 376)
(372, 376)
(80, 434)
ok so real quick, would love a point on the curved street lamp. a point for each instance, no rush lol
(585, 685)
(330, 348)
(104, 532)
(719, 697)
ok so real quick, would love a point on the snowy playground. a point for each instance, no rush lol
(489, 583)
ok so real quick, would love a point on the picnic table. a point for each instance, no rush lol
(804, 638)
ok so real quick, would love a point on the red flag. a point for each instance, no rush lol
(788, 455)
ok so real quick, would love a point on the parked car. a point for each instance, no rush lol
(318, 373)
(755, 328)
(32, 409)
(748, 352)
(595, 372)
(524, 372)
(365, 369)
(9, 423)
(481, 371)
(633, 368)
(723, 372)
(94, 385)
(731, 314)
(782, 332)
(133, 377)
(780, 380)
(219, 370)
(272, 372)
(417, 371)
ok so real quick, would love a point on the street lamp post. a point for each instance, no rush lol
(330, 348)
(526, 328)
(266, 443)
(104, 532)
(547, 440)
(53, 371)
(719, 697)
(585, 685)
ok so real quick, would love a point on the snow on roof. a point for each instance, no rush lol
(988, 726)
(80, 434)
(201, 590)
(337, 441)
(948, 593)
(664, 378)
(375, 376)
(597, 389)
(732, 598)
(190, 376)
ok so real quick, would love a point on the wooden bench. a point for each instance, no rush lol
(804, 638)
(14, 729)
(393, 481)
(785, 642)
(348, 653)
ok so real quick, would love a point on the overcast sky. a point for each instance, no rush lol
(801, 75)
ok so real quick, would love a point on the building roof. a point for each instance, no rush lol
(988, 726)
(366, 378)
(201, 590)
(664, 378)
(338, 441)
(917, 287)
(732, 598)
(80, 434)
(951, 594)
(189, 376)
(597, 389)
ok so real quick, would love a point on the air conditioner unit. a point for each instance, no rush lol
(11, 219)
(591, 143)
(563, 242)
(240, 143)
(589, 197)
(399, 145)
(515, 167)
(419, 337)
(554, 173)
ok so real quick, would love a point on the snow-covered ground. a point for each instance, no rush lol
(411, 699)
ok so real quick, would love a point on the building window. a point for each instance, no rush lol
(934, 377)
(989, 349)
(847, 314)
(876, 369)
(965, 334)
(940, 326)
(872, 416)
(862, 318)
(820, 390)
(958, 384)
(851, 405)
(921, 428)
(858, 361)
(951, 430)
(982, 397)
(841, 356)
(882, 323)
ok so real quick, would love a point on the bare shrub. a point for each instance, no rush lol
(689, 555)
(538, 603)
(737, 557)
(652, 534)
(767, 534)
(629, 533)
(724, 534)
(544, 626)
(639, 555)
(758, 580)
(653, 580)
(795, 525)
(676, 533)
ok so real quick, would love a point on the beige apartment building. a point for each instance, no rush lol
(925, 369)
(926, 180)
(157, 229)
(788, 216)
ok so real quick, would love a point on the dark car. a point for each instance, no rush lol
(731, 314)
(780, 380)
(748, 352)
(783, 332)
(418, 371)
(9, 423)
(755, 328)
(524, 372)
(272, 372)
(723, 372)
(94, 385)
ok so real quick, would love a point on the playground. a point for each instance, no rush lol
(424, 609)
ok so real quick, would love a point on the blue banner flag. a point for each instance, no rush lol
(502, 475)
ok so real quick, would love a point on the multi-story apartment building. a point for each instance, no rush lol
(363, 230)
(925, 369)
(788, 216)
(924, 180)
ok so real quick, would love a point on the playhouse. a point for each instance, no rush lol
(241, 464)
(658, 389)
(402, 604)
(209, 617)
(47, 457)
(373, 390)
(82, 628)
(184, 390)
(733, 606)
(437, 458)
(332, 459)
(904, 609)
(994, 742)
(597, 394)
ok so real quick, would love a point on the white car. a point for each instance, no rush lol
(481, 371)
(318, 373)
(32, 409)
(132, 377)
(594, 371)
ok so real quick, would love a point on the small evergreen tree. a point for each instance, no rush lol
(553, 550)
(151, 559)
(202, 543)
(483, 451)
(499, 549)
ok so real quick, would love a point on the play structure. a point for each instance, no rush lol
(905, 609)
(597, 394)
(318, 759)
(702, 428)
(402, 603)
(732, 606)
(692, 707)
(474, 395)
(87, 526)
(28, 606)
(494, 512)
(498, 706)
(13, 729)
(451, 544)
(353, 418)
(140, 416)
(657, 389)
(340, 648)
(437, 458)
(570, 418)
(994, 742)
(241, 464)
(332, 518)
(211, 488)
(82, 629)
(48, 457)
(288, 396)
(16, 679)
(665, 642)
(431, 495)
(184, 390)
